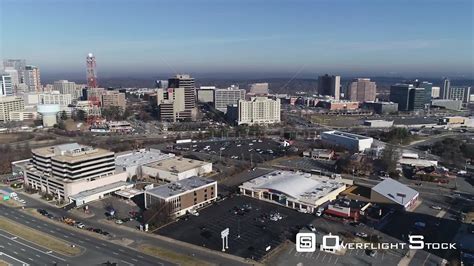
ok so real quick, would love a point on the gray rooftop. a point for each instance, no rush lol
(141, 157)
(393, 190)
(175, 188)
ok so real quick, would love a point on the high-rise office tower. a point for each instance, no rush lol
(6, 85)
(187, 83)
(32, 78)
(161, 84)
(460, 94)
(330, 86)
(257, 110)
(14, 74)
(259, 88)
(425, 85)
(66, 87)
(19, 65)
(362, 90)
(408, 96)
(229, 96)
(435, 92)
(445, 88)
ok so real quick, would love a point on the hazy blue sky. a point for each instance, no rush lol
(344, 36)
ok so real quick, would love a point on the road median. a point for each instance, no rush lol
(39, 238)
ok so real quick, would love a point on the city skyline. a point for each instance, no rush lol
(200, 37)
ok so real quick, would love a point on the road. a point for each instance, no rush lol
(96, 250)
(120, 233)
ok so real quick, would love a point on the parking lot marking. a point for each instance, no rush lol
(9, 243)
(141, 257)
(115, 253)
(319, 254)
(97, 247)
(308, 255)
(51, 231)
(22, 249)
(65, 236)
(30, 259)
(134, 259)
(335, 261)
(329, 261)
(16, 253)
(103, 244)
(322, 259)
(121, 250)
(38, 256)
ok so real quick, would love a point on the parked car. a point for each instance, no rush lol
(42, 212)
(371, 252)
(311, 227)
(80, 225)
(119, 221)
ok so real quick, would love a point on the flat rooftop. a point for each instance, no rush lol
(177, 164)
(395, 191)
(141, 157)
(175, 188)
(346, 135)
(301, 186)
(110, 187)
(71, 152)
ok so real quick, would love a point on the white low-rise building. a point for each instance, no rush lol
(349, 141)
(378, 123)
(132, 161)
(301, 191)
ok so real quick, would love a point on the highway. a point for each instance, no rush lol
(96, 251)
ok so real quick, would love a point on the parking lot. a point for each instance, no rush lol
(255, 150)
(308, 164)
(251, 230)
(124, 210)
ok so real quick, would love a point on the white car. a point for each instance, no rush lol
(119, 222)
(361, 234)
(22, 201)
(435, 207)
(311, 227)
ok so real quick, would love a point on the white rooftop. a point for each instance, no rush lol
(346, 135)
(106, 188)
(395, 191)
(141, 157)
(301, 186)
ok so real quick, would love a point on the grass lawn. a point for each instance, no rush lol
(38, 238)
(170, 255)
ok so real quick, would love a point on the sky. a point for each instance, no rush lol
(291, 37)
